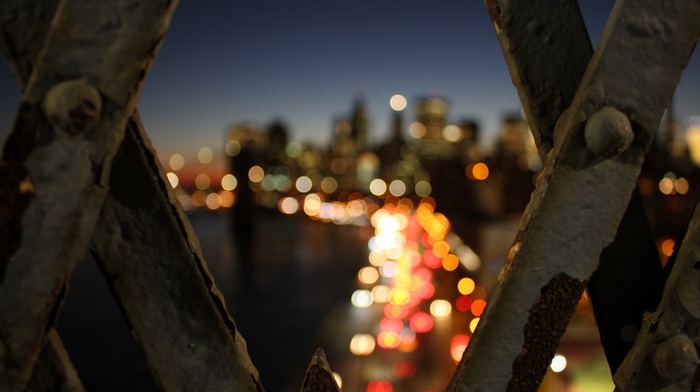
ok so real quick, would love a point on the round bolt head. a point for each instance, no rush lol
(73, 106)
(608, 132)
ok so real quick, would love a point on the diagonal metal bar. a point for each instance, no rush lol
(547, 49)
(562, 234)
(53, 371)
(665, 355)
(319, 377)
(57, 158)
(152, 260)
(24, 26)
(218, 366)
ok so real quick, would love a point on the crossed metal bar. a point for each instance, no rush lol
(597, 148)
(78, 167)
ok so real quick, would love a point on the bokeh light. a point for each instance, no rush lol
(173, 179)
(558, 363)
(478, 307)
(288, 205)
(205, 155)
(176, 162)
(457, 346)
(368, 275)
(256, 174)
(398, 102)
(229, 182)
(362, 298)
(362, 344)
(303, 184)
(466, 286)
(202, 181)
(377, 187)
(440, 308)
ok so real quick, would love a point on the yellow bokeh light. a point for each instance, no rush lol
(466, 286)
(399, 296)
(441, 249)
(450, 262)
(682, 186)
(473, 324)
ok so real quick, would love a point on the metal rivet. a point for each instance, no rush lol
(675, 358)
(608, 132)
(73, 106)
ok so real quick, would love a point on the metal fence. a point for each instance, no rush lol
(78, 168)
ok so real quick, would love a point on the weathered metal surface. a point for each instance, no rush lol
(105, 47)
(24, 24)
(53, 371)
(175, 366)
(547, 48)
(639, 83)
(152, 260)
(665, 353)
(319, 377)
(24, 28)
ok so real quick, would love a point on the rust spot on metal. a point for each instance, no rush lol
(495, 13)
(545, 325)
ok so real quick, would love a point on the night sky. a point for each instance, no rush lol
(305, 62)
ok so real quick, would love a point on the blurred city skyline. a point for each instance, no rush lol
(305, 63)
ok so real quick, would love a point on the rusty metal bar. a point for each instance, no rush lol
(547, 49)
(152, 260)
(319, 377)
(225, 365)
(24, 24)
(600, 143)
(53, 370)
(57, 159)
(665, 354)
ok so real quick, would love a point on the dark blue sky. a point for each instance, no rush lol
(304, 62)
